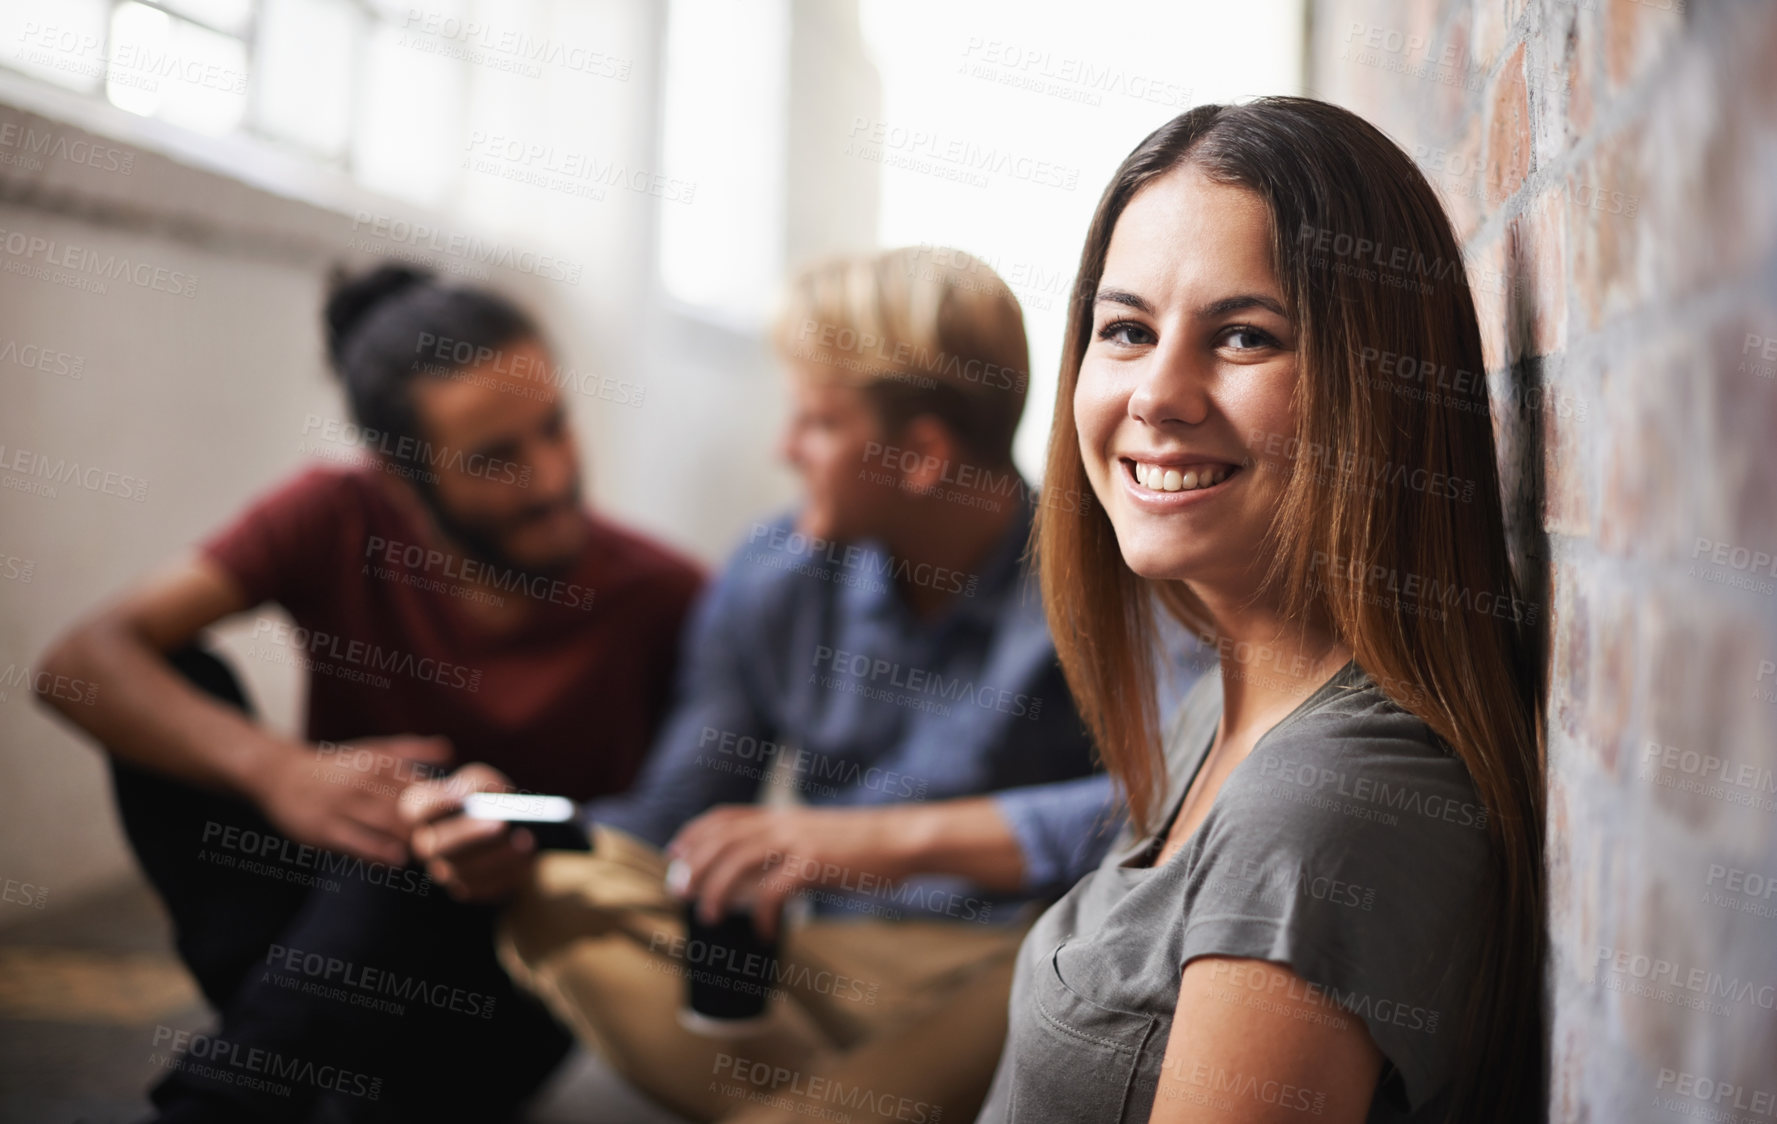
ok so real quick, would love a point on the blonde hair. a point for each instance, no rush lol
(922, 330)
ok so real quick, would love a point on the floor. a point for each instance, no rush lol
(85, 989)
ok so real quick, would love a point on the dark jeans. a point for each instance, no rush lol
(347, 990)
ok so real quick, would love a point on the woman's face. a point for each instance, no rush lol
(1184, 404)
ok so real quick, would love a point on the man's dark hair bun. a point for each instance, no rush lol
(352, 298)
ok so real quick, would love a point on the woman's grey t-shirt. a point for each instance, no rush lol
(1349, 845)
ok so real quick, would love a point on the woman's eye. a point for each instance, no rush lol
(1246, 338)
(1126, 332)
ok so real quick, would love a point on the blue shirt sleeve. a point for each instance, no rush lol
(1064, 828)
(686, 774)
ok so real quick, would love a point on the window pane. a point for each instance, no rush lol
(446, 21)
(400, 10)
(723, 130)
(60, 41)
(409, 126)
(173, 69)
(232, 16)
(305, 70)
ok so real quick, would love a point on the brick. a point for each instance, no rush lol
(1560, 69)
(1570, 1053)
(1736, 453)
(1536, 261)
(1580, 98)
(1669, 918)
(1490, 288)
(1636, 33)
(1702, 641)
(1760, 40)
(1707, 190)
(1508, 130)
(1610, 696)
(1568, 483)
(1660, 923)
(1570, 657)
(1561, 888)
(1491, 21)
(1604, 199)
(1645, 506)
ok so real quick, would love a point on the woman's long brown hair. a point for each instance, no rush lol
(1366, 259)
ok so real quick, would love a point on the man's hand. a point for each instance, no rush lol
(738, 853)
(344, 798)
(474, 860)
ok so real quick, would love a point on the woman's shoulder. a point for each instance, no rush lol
(1357, 797)
(1357, 756)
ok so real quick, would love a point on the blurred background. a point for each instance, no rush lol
(641, 174)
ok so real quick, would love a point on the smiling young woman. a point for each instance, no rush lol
(1340, 913)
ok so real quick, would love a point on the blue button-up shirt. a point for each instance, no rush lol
(804, 657)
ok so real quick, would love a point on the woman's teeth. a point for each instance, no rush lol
(1161, 479)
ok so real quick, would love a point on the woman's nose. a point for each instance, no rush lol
(1172, 387)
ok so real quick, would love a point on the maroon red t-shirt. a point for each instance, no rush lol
(564, 703)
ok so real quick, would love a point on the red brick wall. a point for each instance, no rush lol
(1611, 166)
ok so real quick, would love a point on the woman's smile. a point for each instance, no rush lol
(1169, 486)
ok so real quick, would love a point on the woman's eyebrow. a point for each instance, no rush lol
(1209, 311)
(1124, 297)
(1240, 303)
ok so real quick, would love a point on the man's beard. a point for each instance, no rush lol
(481, 543)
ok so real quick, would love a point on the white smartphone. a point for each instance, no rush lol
(551, 819)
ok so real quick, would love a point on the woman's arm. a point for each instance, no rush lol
(1254, 1043)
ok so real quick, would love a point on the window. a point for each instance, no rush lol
(159, 65)
(58, 41)
(310, 57)
(374, 88)
(724, 130)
